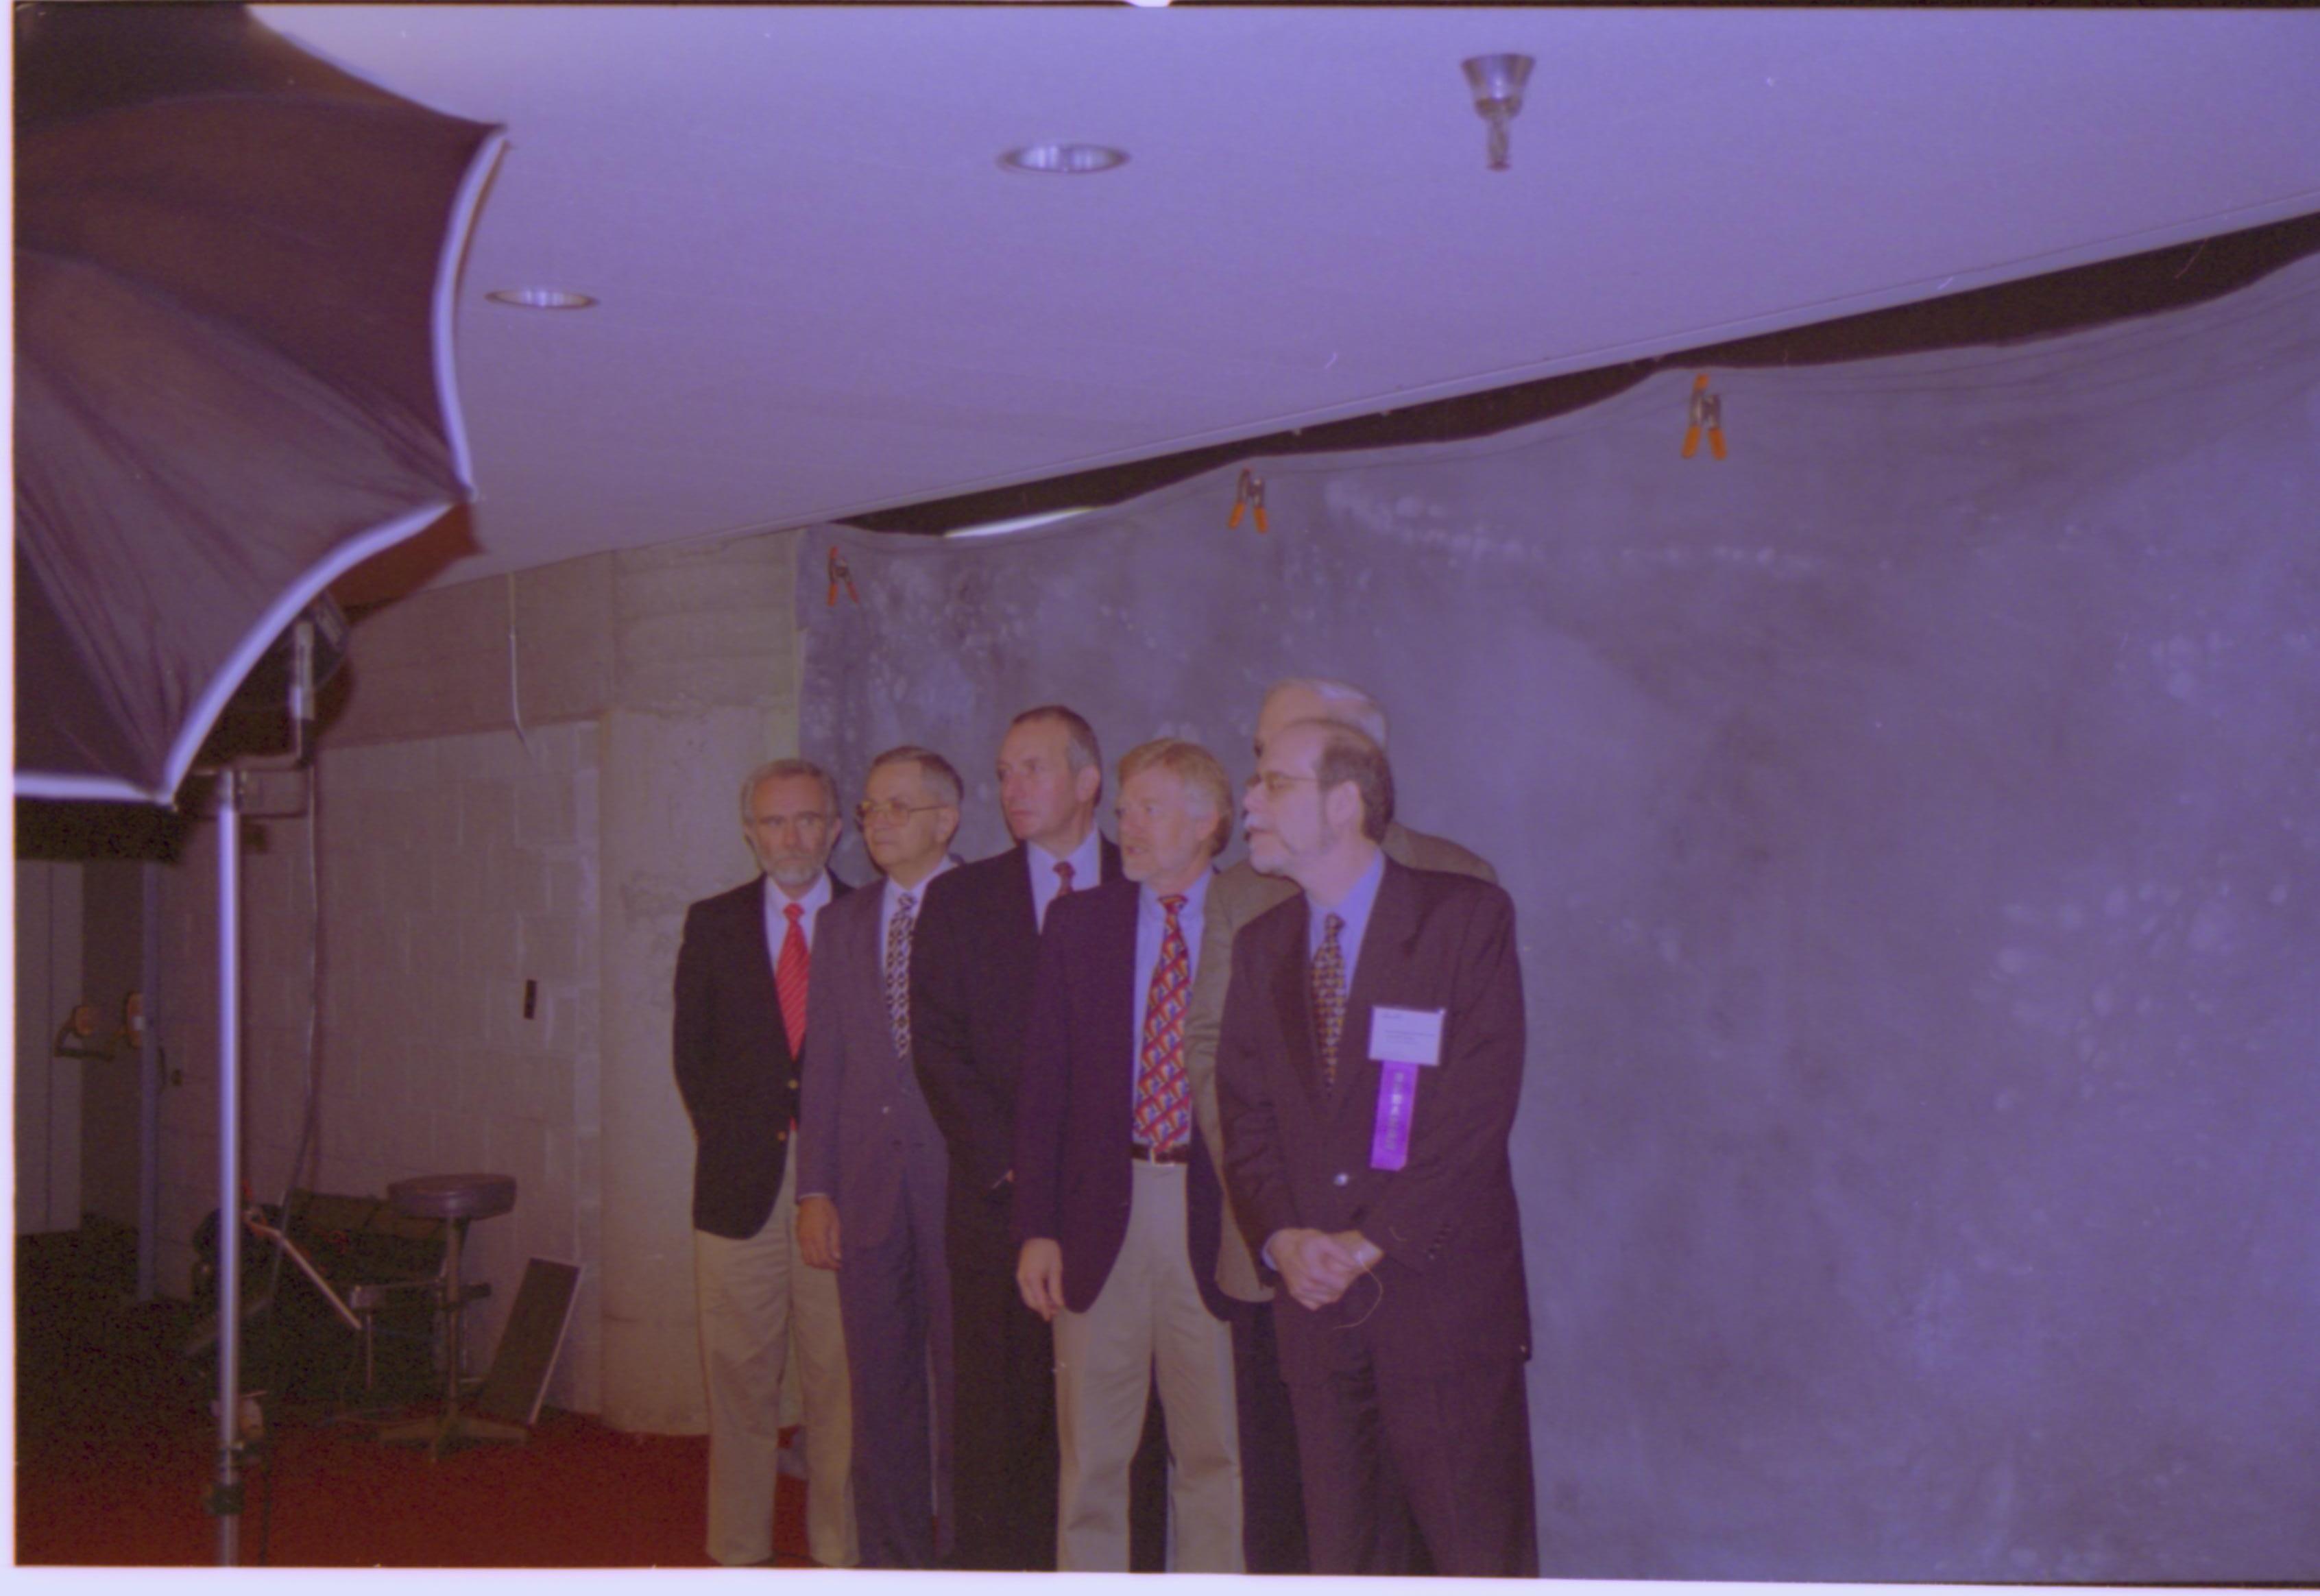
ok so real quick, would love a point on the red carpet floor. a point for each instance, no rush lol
(115, 1457)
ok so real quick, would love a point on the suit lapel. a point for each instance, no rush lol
(758, 950)
(1385, 952)
(1021, 913)
(1294, 1004)
(1116, 988)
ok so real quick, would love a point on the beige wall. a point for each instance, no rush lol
(459, 860)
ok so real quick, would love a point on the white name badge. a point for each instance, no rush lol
(1407, 1036)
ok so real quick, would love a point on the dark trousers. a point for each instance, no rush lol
(1445, 1448)
(895, 1299)
(1272, 1484)
(1003, 1456)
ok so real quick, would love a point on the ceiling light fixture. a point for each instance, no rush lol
(1496, 82)
(542, 299)
(1070, 161)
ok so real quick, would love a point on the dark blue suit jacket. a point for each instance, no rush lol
(971, 965)
(735, 1064)
(1073, 1118)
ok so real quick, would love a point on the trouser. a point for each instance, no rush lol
(896, 1296)
(1271, 1485)
(1445, 1448)
(1003, 1414)
(753, 1294)
(1148, 1322)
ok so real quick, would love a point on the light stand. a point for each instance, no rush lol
(226, 1496)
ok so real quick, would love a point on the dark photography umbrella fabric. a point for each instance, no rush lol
(235, 266)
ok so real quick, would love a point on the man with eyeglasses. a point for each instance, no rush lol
(1276, 1506)
(871, 1166)
(1367, 1071)
(743, 976)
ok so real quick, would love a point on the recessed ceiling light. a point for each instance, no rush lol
(1065, 159)
(542, 299)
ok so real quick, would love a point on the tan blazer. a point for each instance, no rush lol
(1236, 897)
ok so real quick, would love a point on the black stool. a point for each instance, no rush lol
(454, 1198)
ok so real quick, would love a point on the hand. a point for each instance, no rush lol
(817, 1231)
(1366, 1253)
(1040, 1276)
(1317, 1266)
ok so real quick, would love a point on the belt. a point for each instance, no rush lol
(1180, 1154)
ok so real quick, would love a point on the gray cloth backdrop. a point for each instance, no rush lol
(1913, 824)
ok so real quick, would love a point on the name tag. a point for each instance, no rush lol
(1403, 1041)
(1405, 1036)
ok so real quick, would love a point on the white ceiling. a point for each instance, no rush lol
(820, 295)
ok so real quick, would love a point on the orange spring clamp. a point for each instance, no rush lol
(1707, 412)
(1248, 493)
(838, 572)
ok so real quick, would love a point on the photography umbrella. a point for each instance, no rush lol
(234, 276)
(235, 267)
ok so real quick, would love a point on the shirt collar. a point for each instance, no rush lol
(1355, 908)
(778, 902)
(1196, 897)
(1086, 860)
(894, 889)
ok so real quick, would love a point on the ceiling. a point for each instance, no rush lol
(820, 295)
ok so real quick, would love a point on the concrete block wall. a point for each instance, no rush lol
(457, 861)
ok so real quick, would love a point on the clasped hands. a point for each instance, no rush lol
(1318, 1266)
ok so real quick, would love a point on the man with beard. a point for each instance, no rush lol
(741, 982)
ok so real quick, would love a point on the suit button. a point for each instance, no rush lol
(792, 1085)
(784, 1136)
(888, 1108)
(1340, 1178)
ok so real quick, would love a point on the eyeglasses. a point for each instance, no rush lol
(1273, 782)
(893, 809)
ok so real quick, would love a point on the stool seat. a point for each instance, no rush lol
(454, 1199)
(453, 1196)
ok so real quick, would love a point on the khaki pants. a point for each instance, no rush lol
(1148, 1319)
(753, 1295)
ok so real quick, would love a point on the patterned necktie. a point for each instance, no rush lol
(1164, 1096)
(1330, 996)
(897, 973)
(789, 978)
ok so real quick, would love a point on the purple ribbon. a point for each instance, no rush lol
(1397, 1096)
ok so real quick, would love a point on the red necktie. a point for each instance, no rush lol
(1164, 1096)
(1063, 878)
(789, 978)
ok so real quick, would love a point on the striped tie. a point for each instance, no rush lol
(897, 973)
(1330, 996)
(1164, 1096)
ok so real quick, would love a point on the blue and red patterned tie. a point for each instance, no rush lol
(1163, 1094)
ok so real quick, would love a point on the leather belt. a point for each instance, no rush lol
(1181, 1153)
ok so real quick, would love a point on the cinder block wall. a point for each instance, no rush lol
(459, 860)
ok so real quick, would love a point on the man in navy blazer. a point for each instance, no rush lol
(1117, 1204)
(871, 1168)
(971, 972)
(742, 980)
(1367, 1074)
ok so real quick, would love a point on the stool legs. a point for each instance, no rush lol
(452, 1428)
